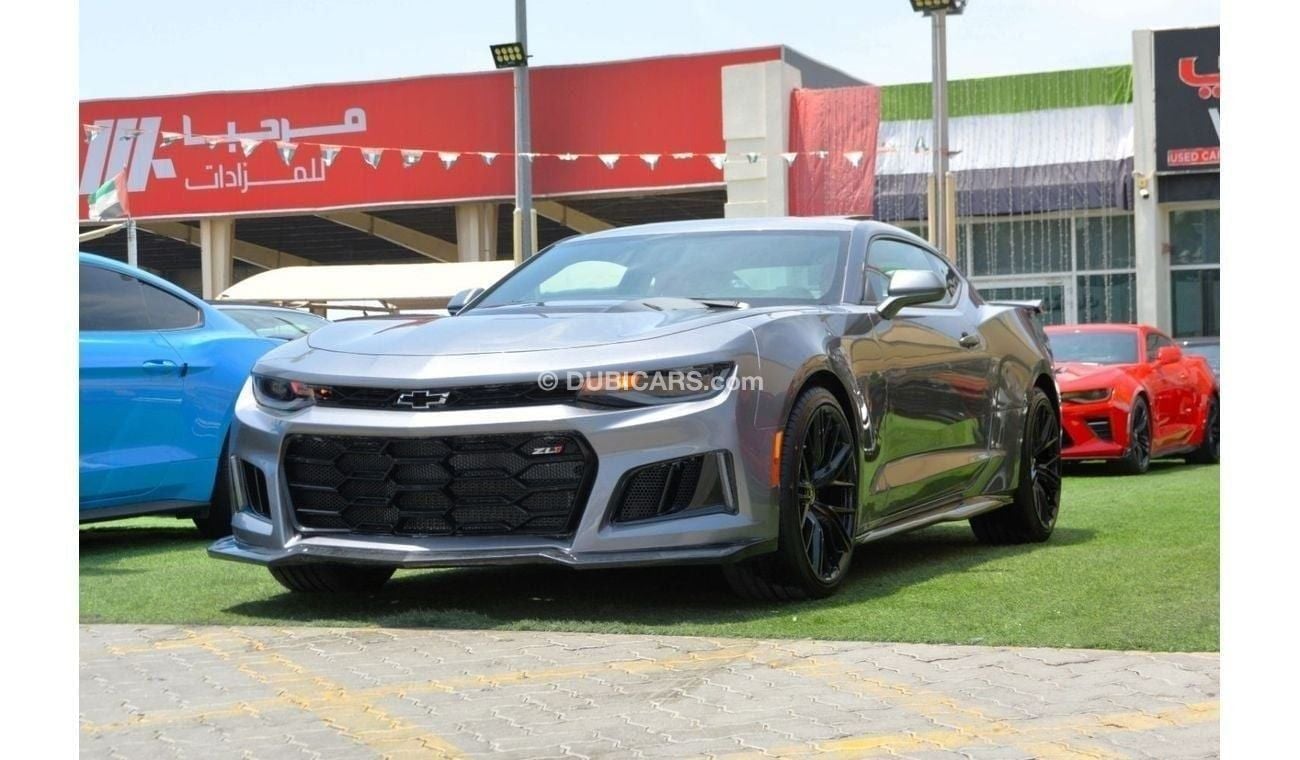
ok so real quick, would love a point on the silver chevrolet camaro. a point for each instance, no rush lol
(765, 394)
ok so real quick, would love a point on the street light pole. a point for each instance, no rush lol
(523, 167)
(939, 86)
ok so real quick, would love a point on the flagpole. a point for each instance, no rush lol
(132, 255)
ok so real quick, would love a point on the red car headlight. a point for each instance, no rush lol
(1086, 397)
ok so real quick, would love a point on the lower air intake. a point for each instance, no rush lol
(674, 487)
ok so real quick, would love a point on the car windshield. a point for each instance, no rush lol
(1209, 350)
(1095, 347)
(283, 325)
(757, 267)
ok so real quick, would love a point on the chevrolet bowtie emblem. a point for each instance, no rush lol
(420, 400)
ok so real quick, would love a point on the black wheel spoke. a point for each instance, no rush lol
(832, 525)
(824, 475)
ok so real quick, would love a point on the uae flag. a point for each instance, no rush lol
(109, 200)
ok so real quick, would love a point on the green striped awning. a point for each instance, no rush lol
(1106, 85)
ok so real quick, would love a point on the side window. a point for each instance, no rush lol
(167, 312)
(1155, 342)
(886, 256)
(111, 301)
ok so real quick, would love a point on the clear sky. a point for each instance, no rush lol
(151, 47)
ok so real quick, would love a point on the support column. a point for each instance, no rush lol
(476, 232)
(216, 255)
(756, 119)
(1149, 225)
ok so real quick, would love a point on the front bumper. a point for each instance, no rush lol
(1096, 430)
(621, 439)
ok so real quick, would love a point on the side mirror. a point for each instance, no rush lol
(911, 287)
(1169, 355)
(458, 301)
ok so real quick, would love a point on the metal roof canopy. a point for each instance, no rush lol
(394, 286)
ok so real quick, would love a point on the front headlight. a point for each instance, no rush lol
(651, 387)
(1086, 397)
(285, 395)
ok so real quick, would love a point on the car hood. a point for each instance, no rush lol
(516, 331)
(1071, 375)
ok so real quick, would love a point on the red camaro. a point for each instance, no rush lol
(1128, 394)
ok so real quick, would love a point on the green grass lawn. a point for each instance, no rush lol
(1134, 564)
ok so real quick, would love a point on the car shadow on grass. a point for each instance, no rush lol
(107, 542)
(541, 597)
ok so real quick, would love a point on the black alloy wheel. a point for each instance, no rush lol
(826, 492)
(1138, 459)
(1208, 451)
(1036, 502)
(1045, 464)
(818, 507)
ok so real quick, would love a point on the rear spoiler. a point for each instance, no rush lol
(1034, 305)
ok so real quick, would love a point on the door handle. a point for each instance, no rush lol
(159, 366)
(969, 340)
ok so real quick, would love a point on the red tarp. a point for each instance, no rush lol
(837, 120)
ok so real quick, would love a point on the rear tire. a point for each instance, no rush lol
(328, 577)
(1208, 451)
(216, 523)
(1138, 458)
(818, 508)
(1031, 516)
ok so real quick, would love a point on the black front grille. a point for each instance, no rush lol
(517, 484)
(430, 399)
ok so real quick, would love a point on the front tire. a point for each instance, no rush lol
(1138, 458)
(216, 523)
(329, 577)
(1031, 516)
(818, 507)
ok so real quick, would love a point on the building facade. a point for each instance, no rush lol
(1095, 190)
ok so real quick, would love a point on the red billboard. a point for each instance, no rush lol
(274, 150)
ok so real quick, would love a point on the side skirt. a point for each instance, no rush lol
(963, 510)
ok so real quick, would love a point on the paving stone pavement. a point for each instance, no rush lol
(261, 692)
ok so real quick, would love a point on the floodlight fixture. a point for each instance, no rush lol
(509, 55)
(951, 7)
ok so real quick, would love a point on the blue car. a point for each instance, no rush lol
(160, 371)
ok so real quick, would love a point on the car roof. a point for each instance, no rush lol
(755, 224)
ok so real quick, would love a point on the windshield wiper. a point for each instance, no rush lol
(719, 303)
(510, 303)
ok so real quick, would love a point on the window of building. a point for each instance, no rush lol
(1194, 271)
(1195, 302)
(1022, 246)
(1104, 242)
(1107, 298)
(1194, 237)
